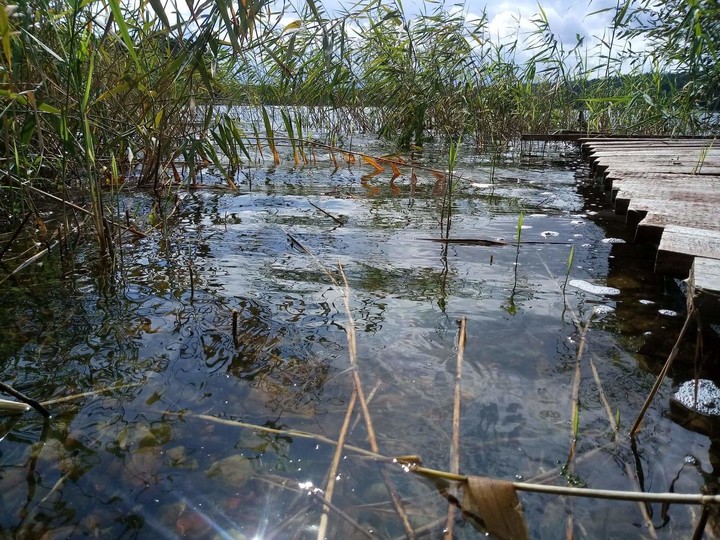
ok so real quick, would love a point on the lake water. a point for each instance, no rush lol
(162, 444)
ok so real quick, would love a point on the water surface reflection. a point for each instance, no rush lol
(162, 444)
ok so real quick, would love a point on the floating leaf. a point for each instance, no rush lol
(372, 162)
(494, 505)
(395, 170)
(439, 176)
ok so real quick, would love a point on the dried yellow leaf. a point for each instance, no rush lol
(494, 505)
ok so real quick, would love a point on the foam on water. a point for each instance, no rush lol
(708, 397)
(613, 241)
(668, 312)
(547, 234)
(593, 289)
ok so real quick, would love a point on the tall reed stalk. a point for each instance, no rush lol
(81, 82)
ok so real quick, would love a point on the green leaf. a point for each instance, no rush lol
(160, 12)
(124, 32)
(229, 27)
(570, 258)
(519, 227)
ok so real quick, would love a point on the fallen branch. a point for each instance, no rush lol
(15, 234)
(87, 394)
(130, 228)
(22, 397)
(676, 498)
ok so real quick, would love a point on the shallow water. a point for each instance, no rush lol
(163, 444)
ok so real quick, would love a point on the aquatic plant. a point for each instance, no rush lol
(97, 94)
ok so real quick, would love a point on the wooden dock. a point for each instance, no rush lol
(669, 191)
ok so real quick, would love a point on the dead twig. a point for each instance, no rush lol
(455, 447)
(328, 214)
(575, 422)
(316, 493)
(334, 466)
(15, 234)
(411, 465)
(129, 228)
(22, 397)
(607, 494)
(372, 439)
(663, 372)
(87, 394)
(575, 414)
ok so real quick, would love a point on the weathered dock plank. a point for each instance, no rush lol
(649, 217)
(706, 275)
(652, 181)
(680, 245)
(645, 141)
(701, 188)
(705, 278)
(616, 168)
(669, 190)
(696, 155)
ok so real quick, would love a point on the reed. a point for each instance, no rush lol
(96, 93)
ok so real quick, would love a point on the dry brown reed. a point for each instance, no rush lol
(455, 446)
(335, 465)
(372, 439)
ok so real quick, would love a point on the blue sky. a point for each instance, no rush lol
(510, 18)
(507, 19)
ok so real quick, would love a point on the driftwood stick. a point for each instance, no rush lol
(370, 397)
(574, 417)
(22, 397)
(15, 234)
(87, 394)
(287, 432)
(455, 447)
(127, 228)
(607, 494)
